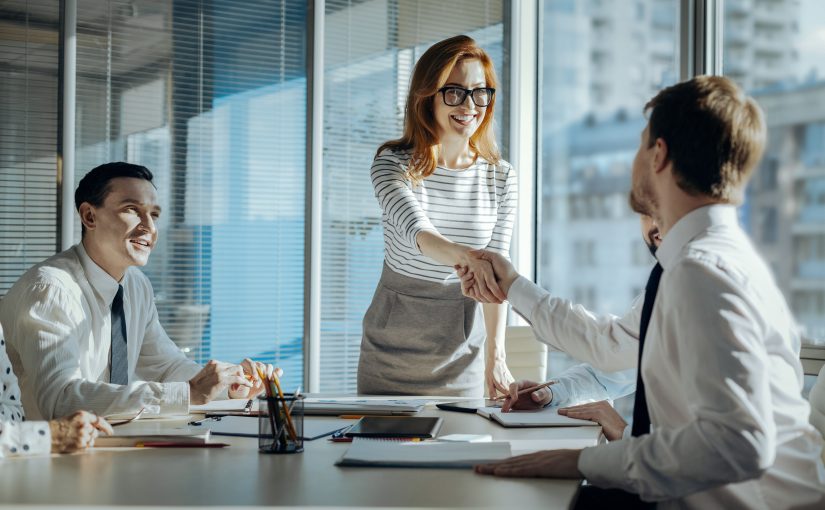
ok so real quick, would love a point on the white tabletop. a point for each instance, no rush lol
(239, 476)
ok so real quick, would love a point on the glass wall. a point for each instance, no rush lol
(775, 49)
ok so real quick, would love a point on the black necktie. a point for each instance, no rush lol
(641, 417)
(120, 360)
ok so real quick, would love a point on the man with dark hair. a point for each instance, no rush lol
(82, 327)
(719, 420)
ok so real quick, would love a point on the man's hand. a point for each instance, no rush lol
(252, 371)
(213, 380)
(77, 431)
(527, 401)
(504, 273)
(546, 464)
(602, 413)
(497, 377)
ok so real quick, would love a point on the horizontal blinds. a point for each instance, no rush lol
(369, 50)
(211, 96)
(29, 34)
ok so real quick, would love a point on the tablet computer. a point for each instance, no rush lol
(396, 427)
(468, 406)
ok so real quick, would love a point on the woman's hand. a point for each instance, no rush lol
(484, 286)
(77, 431)
(497, 377)
(252, 370)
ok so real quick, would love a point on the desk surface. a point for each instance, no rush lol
(240, 476)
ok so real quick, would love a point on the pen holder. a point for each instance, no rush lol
(281, 424)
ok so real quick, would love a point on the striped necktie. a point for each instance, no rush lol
(641, 416)
(119, 373)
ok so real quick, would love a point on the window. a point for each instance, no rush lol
(775, 51)
(370, 48)
(210, 96)
(589, 131)
(28, 136)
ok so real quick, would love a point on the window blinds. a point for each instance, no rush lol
(210, 96)
(29, 34)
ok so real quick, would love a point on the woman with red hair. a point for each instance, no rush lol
(444, 190)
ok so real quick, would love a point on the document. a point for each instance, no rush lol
(546, 417)
(424, 454)
(236, 405)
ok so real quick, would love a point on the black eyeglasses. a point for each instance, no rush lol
(454, 96)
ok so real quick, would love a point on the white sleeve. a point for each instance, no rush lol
(583, 383)
(607, 342)
(17, 436)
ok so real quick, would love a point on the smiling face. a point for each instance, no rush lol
(459, 123)
(122, 231)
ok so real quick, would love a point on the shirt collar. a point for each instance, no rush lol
(101, 281)
(691, 225)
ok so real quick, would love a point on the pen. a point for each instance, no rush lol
(200, 422)
(171, 444)
(350, 417)
(529, 390)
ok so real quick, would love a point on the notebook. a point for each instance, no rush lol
(396, 426)
(431, 454)
(247, 426)
(546, 417)
(169, 436)
(333, 406)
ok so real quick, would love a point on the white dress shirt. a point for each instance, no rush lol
(723, 383)
(57, 320)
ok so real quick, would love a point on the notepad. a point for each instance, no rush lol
(333, 406)
(423, 427)
(247, 426)
(426, 454)
(236, 405)
(546, 417)
(169, 436)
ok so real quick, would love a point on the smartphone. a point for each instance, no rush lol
(467, 406)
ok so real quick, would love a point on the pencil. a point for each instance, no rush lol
(292, 432)
(531, 389)
(272, 417)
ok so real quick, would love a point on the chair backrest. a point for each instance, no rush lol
(817, 401)
(526, 356)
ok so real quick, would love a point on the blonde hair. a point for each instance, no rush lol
(420, 128)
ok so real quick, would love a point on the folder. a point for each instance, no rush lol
(424, 454)
(545, 417)
(422, 427)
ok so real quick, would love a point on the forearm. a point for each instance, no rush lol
(105, 399)
(439, 248)
(495, 323)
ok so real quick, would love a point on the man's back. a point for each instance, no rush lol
(723, 330)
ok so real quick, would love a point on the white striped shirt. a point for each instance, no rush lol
(475, 207)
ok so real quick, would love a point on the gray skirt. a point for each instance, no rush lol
(421, 338)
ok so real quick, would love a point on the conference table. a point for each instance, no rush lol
(240, 476)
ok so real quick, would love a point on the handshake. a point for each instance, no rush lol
(486, 276)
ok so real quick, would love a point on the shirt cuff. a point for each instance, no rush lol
(524, 295)
(175, 398)
(627, 432)
(560, 393)
(603, 465)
